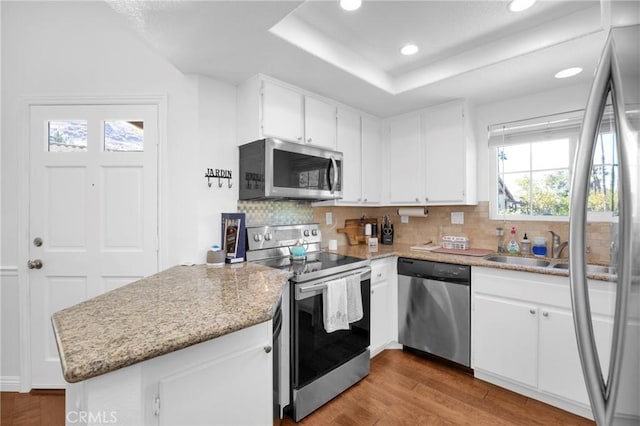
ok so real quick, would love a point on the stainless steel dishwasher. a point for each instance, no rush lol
(434, 308)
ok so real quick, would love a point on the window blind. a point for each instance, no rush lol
(539, 129)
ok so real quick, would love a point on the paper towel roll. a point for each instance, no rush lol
(413, 211)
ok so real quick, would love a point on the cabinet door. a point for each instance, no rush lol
(445, 159)
(349, 145)
(319, 123)
(282, 113)
(371, 161)
(559, 366)
(505, 338)
(218, 392)
(380, 317)
(406, 168)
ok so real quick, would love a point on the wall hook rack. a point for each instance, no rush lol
(220, 174)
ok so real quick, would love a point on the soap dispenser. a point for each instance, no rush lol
(513, 247)
(525, 245)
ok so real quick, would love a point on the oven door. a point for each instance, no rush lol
(314, 351)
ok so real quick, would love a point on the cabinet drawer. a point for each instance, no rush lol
(380, 272)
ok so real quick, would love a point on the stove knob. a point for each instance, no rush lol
(306, 233)
(257, 238)
(267, 237)
(314, 232)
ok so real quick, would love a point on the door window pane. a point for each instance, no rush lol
(67, 136)
(123, 136)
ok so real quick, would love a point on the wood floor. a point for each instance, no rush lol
(406, 389)
(402, 389)
(38, 408)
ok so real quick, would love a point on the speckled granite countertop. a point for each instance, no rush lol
(404, 250)
(168, 311)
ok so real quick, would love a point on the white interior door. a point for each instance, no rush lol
(93, 212)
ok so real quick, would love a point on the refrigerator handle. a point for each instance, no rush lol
(601, 395)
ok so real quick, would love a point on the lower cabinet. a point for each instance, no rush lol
(224, 381)
(505, 336)
(523, 336)
(384, 312)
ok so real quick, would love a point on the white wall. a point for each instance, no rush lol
(543, 103)
(85, 49)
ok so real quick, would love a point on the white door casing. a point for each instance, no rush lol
(96, 212)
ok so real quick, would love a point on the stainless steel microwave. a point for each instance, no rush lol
(274, 168)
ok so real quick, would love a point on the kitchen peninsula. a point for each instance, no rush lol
(193, 337)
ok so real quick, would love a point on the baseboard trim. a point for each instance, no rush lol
(10, 383)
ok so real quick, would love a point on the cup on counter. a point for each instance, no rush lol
(333, 244)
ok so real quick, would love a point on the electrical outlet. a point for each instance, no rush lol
(457, 218)
(328, 218)
(404, 219)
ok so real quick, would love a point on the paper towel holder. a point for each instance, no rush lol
(413, 211)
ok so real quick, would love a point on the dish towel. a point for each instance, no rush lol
(354, 299)
(334, 301)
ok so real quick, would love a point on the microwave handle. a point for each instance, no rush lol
(332, 187)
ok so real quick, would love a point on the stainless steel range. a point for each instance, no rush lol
(316, 365)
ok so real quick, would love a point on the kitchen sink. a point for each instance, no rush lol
(591, 269)
(522, 261)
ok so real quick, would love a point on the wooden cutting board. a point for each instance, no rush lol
(354, 228)
(468, 252)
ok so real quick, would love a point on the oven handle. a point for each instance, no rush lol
(306, 290)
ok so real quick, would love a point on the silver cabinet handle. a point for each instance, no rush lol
(545, 313)
(267, 349)
(34, 264)
(532, 311)
(309, 140)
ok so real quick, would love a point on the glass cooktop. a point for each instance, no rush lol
(316, 265)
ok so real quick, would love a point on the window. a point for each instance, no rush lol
(124, 136)
(67, 135)
(532, 163)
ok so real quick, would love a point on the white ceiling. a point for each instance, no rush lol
(473, 49)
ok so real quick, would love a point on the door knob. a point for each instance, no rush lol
(34, 264)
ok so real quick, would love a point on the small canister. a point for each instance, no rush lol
(539, 246)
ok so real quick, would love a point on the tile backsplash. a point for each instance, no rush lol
(276, 212)
(477, 226)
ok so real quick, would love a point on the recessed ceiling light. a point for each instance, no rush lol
(520, 5)
(350, 4)
(569, 72)
(409, 49)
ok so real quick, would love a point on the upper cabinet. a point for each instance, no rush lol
(268, 108)
(349, 143)
(319, 123)
(282, 113)
(450, 160)
(371, 161)
(406, 166)
(432, 157)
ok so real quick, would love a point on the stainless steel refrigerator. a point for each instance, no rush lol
(614, 102)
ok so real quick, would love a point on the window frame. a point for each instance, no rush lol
(494, 215)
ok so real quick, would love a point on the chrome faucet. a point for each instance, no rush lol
(556, 246)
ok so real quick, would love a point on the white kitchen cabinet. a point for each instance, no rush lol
(433, 157)
(560, 372)
(523, 336)
(450, 160)
(406, 165)
(505, 338)
(282, 113)
(349, 139)
(358, 138)
(269, 108)
(384, 279)
(372, 155)
(319, 123)
(210, 383)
